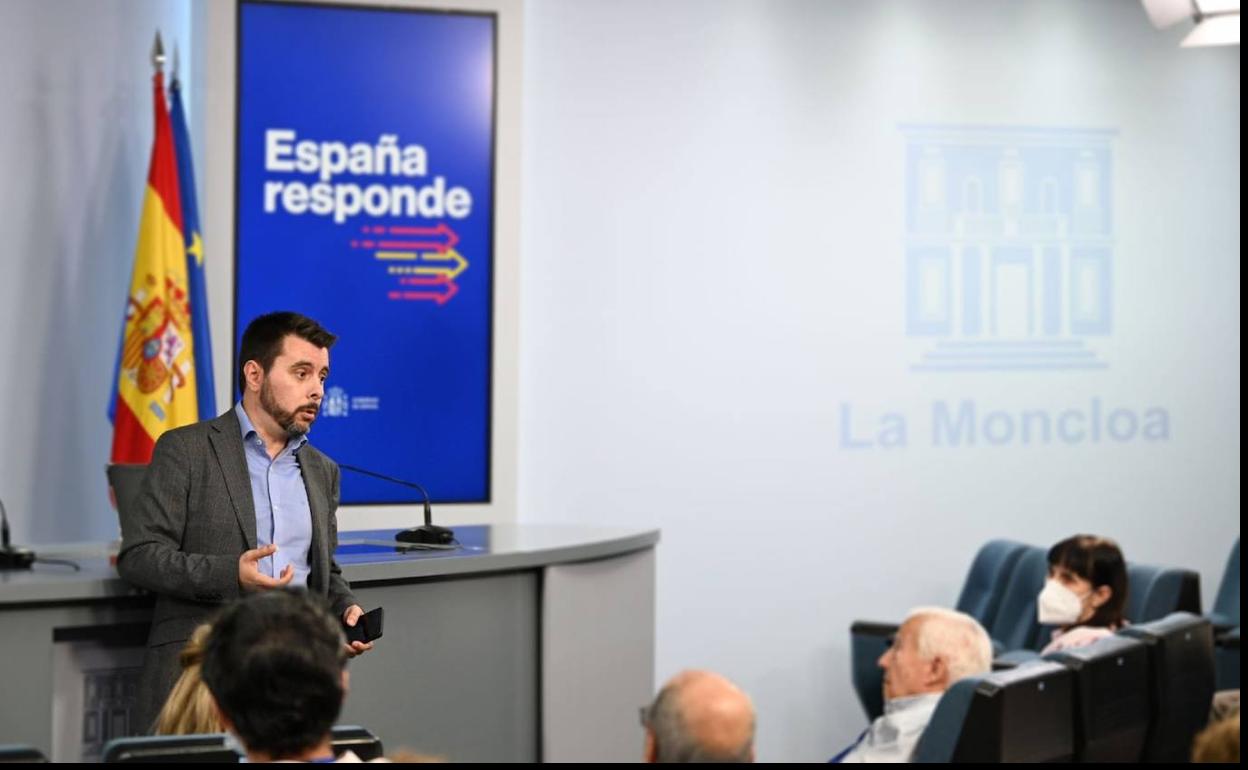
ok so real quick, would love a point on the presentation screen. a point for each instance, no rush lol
(365, 199)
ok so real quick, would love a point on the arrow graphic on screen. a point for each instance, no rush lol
(450, 264)
(440, 238)
(438, 289)
(427, 251)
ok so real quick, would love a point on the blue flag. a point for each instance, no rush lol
(194, 256)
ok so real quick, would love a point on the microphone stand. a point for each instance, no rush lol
(426, 534)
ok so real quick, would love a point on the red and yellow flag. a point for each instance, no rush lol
(156, 373)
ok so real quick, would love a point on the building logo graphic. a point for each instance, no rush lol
(336, 403)
(1009, 245)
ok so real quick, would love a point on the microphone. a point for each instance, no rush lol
(11, 556)
(427, 534)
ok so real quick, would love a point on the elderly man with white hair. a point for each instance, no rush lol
(934, 648)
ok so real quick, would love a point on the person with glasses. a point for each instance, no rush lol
(699, 716)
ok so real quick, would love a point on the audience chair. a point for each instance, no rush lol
(1225, 620)
(1111, 703)
(1181, 682)
(169, 748)
(15, 752)
(357, 739)
(211, 747)
(125, 479)
(1155, 592)
(1020, 715)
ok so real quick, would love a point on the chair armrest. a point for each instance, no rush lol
(1013, 659)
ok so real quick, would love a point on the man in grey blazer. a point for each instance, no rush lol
(240, 503)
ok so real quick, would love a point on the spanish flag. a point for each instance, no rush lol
(156, 371)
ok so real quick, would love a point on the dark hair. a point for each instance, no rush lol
(1099, 561)
(262, 341)
(274, 662)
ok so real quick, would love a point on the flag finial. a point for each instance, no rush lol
(158, 54)
(174, 72)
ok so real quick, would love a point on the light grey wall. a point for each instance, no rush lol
(75, 136)
(714, 264)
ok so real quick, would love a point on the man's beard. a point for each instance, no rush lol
(286, 420)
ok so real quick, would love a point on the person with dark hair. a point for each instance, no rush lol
(699, 716)
(239, 504)
(275, 665)
(1085, 595)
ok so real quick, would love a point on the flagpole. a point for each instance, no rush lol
(158, 54)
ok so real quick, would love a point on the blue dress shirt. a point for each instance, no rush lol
(282, 513)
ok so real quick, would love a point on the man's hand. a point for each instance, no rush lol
(250, 578)
(351, 617)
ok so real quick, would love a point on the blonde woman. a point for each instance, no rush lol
(189, 708)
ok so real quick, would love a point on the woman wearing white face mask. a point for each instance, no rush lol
(1086, 592)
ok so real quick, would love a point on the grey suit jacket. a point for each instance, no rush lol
(195, 517)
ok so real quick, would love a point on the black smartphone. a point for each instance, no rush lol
(367, 627)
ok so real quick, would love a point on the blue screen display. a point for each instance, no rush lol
(365, 199)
